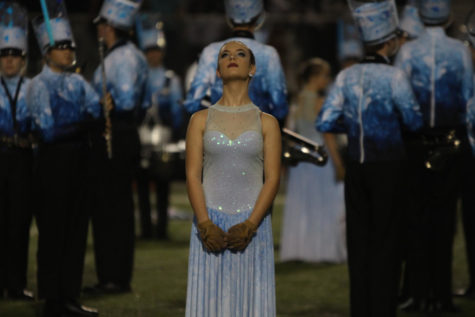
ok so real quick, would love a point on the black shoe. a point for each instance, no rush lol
(24, 294)
(51, 308)
(466, 293)
(107, 288)
(443, 307)
(72, 308)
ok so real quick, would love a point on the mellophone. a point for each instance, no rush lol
(297, 148)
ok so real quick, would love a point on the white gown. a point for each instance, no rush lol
(313, 224)
(232, 284)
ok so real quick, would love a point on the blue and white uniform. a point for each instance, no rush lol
(369, 101)
(267, 89)
(164, 91)
(441, 75)
(126, 71)
(59, 102)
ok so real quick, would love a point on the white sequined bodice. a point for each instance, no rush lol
(233, 158)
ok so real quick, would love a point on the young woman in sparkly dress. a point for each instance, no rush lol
(232, 167)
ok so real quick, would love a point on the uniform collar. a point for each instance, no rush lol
(49, 72)
(117, 44)
(11, 81)
(375, 58)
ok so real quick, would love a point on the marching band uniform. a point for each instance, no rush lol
(15, 157)
(440, 71)
(410, 28)
(267, 89)
(60, 103)
(164, 94)
(111, 195)
(369, 102)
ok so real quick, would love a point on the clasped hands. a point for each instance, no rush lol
(236, 239)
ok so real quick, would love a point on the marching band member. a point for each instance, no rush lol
(370, 101)
(268, 88)
(164, 92)
(15, 153)
(440, 71)
(350, 48)
(410, 26)
(60, 103)
(111, 198)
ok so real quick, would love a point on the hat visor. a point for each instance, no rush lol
(12, 51)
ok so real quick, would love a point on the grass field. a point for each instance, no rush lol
(159, 283)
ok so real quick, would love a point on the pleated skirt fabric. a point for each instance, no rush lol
(232, 284)
(313, 228)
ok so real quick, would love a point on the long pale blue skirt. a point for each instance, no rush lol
(232, 284)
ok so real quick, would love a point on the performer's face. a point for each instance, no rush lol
(322, 80)
(154, 57)
(393, 46)
(234, 62)
(11, 65)
(62, 57)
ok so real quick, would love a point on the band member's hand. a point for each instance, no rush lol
(212, 236)
(240, 235)
(339, 172)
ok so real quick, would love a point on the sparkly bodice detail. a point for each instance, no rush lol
(233, 158)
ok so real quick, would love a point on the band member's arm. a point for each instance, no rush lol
(176, 95)
(38, 101)
(203, 80)
(277, 86)
(329, 118)
(91, 101)
(467, 80)
(331, 145)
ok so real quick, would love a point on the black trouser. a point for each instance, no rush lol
(162, 192)
(468, 214)
(431, 229)
(373, 197)
(15, 217)
(112, 206)
(62, 220)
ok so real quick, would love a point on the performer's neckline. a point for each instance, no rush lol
(239, 108)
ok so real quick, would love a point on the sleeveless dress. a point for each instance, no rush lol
(313, 225)
(232, 284)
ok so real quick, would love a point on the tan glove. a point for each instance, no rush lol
(240, 235)
(212, 236)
